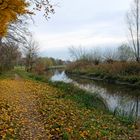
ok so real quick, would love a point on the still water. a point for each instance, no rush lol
(122, 99)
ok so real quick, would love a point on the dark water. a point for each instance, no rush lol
(122, 99)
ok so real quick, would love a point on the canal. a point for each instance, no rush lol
(120, 99)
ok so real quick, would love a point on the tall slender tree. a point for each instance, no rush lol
(133, 21)
(30, 51)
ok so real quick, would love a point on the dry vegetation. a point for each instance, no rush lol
(122, 71)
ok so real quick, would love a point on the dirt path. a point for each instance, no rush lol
(33, 128)
(24, 102)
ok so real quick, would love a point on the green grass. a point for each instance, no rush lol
(83, 98)
(8, 74)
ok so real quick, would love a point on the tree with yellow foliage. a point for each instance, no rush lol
(10, 10)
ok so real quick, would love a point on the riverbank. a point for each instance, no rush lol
(122, 73)
(60, 115)
(111, 98)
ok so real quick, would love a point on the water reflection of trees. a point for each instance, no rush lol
(130, 107)
(52, 72)
(110, 88)
(129, 98)
(125, 99)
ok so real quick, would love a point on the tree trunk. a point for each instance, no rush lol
(138, 59)
(0, 40)
(137, 107)
(137, 24)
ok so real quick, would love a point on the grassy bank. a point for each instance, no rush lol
(8, 74)
(82, 97)
(118, 72)
(72, 92)
(66, 111)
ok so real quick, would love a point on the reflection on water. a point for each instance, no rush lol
(60, 76)
(124, 99)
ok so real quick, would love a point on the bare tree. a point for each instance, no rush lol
(30, 51)
(77, 53)
(133, 21)
(9, 45)
(95, 56)
(17, 32)
(125, 53)
(110, 55)
(9, 53)
(90, 56)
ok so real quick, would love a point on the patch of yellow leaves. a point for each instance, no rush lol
(27, 105)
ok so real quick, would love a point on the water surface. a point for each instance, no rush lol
(122, 99)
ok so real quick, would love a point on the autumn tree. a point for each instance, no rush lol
(133, 21)
(15, 39)
(10, 10)
(13, 27)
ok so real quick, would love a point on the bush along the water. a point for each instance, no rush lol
(117, 72)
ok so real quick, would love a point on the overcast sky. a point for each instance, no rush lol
(89, 23)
